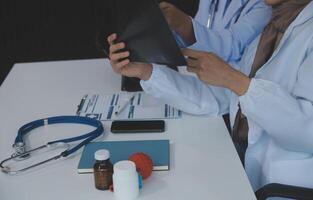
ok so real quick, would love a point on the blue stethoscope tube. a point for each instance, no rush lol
(19, 143)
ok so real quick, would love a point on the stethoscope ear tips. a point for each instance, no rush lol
(5, 170)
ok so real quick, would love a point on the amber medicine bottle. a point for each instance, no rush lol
(103, 170)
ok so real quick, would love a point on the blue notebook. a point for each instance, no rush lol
(158, 150)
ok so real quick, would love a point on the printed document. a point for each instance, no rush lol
(141, 106)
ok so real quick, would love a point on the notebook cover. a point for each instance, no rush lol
(158, 150)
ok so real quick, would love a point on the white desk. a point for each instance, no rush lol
(204, 164)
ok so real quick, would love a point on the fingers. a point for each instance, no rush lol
(117, 59)
(116, 47)
(119, 56)
(195, 70)
(192, 53)
(164, 5)
(192, 62)
(193, 65)
(166, 10)
(111, 38)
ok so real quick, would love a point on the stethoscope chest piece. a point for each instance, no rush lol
(20, 152)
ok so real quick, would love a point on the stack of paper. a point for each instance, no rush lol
(142, 106)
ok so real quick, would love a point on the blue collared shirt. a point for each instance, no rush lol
(235, 25)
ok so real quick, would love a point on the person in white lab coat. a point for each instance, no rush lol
(272, 84)
(224, 27)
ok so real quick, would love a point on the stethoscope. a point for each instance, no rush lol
(212, 11)
(19, 144)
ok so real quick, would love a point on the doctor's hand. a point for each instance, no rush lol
(121, 64)
(178, 21)
(212, 70)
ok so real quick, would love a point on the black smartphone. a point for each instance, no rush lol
(142, 126)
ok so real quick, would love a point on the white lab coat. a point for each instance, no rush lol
(278, 105)
(234, 26)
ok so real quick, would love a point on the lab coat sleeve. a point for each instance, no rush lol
(286, 116)
(230, 43)
(186, 92)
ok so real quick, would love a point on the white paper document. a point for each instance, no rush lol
(141, 106)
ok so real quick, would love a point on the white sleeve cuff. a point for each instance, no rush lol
(155, 77)
(255, 94)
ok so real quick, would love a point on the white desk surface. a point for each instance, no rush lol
(204, 163)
